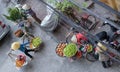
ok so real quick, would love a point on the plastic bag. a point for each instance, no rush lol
(50, 22)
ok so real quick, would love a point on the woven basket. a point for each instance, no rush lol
(58, 47)
(19, 33)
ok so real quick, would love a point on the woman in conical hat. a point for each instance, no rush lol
(21, 47)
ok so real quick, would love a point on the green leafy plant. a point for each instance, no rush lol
(14, 14)
(65, 4)
(68, 8)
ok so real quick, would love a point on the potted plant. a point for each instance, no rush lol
(15, 15)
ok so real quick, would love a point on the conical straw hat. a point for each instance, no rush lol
(15, 46)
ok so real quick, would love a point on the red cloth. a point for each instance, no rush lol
(79, 54)
(80, 37)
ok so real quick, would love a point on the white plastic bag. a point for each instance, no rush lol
(50, 22)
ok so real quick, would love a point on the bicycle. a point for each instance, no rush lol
(85, 49)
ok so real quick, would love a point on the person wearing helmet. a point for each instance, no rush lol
(21, 47)
(27, 10)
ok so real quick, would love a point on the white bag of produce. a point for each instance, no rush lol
(50, 22)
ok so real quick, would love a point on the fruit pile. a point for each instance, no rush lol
(60, 48)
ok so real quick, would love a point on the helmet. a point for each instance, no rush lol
(15, 45)
(26, 7)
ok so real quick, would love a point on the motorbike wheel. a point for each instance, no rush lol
(91, 57)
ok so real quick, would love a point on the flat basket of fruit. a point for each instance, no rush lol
(60, 48)
(35, 42)
(19, 33)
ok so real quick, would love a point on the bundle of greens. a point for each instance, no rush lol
(68, 8)
(70, 50)
(36, 42)
(65, 5)
(14, 14)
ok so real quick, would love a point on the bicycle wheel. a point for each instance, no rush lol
(91, 57)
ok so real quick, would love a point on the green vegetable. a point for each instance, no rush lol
(70, 50)
(36, 42)
(68, 8)
(14, 14)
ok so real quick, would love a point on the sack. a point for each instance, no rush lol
(50, 22)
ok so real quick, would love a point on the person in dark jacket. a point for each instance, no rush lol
(103, 58)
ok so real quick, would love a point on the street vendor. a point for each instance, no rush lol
(21, 47)
(105, 60)
(27, 10)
